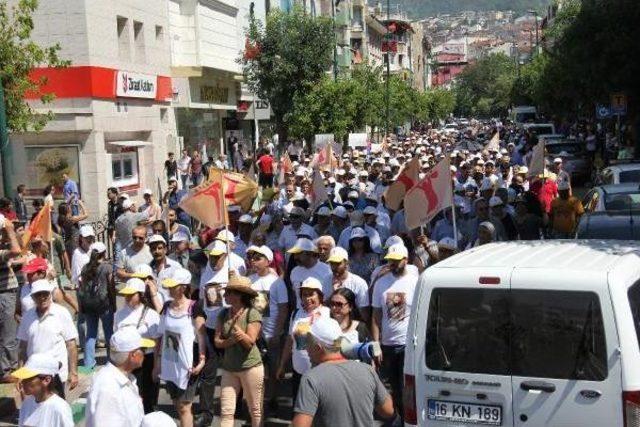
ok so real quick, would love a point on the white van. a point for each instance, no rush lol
(527, 334)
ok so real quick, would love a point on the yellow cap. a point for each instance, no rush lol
(24, 373)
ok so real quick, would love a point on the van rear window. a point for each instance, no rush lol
(541, 334)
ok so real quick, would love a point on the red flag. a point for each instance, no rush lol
(408, 177)
(285, 167)
(40, 226)
(431, 195)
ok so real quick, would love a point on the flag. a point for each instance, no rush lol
(536, 165)
(285, 167)
(324, 158)
(319, 191)
(431, 195)
(408, 178)
(39, 226)
(206, 201)
(494, 143)
(239, 189)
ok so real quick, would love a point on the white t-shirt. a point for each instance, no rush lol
(300, 326)
(234, 260)
(183, 164)
(410, 268)
(394, 295)
(272, 291)
(26, 301)
(128, 317)
(79, 259)
(289, 235)
(320, 271)
(49, 334)
(178, 336)
(113, 400)
(358, 286)
(53, 412)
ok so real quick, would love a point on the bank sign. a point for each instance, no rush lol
(136, 85)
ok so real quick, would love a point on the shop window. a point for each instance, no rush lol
(122, 25)
(124, 169)
(138, 37)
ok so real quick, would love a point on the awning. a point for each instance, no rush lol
(129, 143)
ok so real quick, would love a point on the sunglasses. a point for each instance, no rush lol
(256, 256)
(337, 304)
(137, 238)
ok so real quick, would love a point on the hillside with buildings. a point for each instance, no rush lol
(422, 8)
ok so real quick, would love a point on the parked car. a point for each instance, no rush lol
(527, 334)
(575, 160)
(621, 173)
(612, 198)
(618, 225)
(540, 128)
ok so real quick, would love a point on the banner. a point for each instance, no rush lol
(407, 178)
(206, 201)
(358, 140)
(430, 196)
(319, 190)
(536, 165)
(239, 189)
(40, 226)
(494, 143)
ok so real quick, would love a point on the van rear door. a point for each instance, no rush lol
(462, 352)
(565, 364)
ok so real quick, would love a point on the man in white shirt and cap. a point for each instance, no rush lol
(235, 261)
(114, 399)
(48, 328)
(357, 220)
(305, 254)
(343, 278)
(295, 228)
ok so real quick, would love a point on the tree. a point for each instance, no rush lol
(484, 89)
(288, 57)
(18, 56)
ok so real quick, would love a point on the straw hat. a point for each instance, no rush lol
(240, 284)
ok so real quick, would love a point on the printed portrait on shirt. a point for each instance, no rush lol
(171, 346)
(214, 296)
(300, 335)
(261, 303)
(396, 303)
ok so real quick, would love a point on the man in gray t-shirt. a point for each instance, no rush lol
(337, 392)
(135, 254)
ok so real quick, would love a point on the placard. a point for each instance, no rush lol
(358, 140)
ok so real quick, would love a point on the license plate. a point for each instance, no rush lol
(443, 410)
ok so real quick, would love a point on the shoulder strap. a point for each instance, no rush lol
(165, 307)
(144, 312)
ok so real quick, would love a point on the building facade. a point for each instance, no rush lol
(113, 122)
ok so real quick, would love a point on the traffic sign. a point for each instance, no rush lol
(618, 103)
(603, 112)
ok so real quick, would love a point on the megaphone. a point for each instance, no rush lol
(363, 351)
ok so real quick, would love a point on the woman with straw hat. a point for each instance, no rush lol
(237, 332)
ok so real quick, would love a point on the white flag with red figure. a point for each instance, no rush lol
(324, 158)
(284, 168)
(319, 191)
(431, 195)
(407, 178)
(206, 202)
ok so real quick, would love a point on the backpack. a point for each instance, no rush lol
(93, 296)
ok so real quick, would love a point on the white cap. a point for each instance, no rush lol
(324, 211)
(557, 160)
(340, 212)
(363, 174)
(262, 250)
(338, 254)
(226, 236)
(180, 276)
(341, 171)
(37, 364)
(123, 196)
(357, 233)
(397, 253)
(234, 208)
(311, 283)
(133, 286)
(393, 240)
(326, 331)
(2, 221)
(126, 204)
(353, 194)
(370, 210)
(156, 238)
(245, 219)
(219, 247)
(98, 247)
(180, 237)
(157, 419)
(128, 339)
(86, 231)
(495, 201)
(147, 192)
(303, 245)
(447, 243)
(523, 169)
(42, 285)
(563, 185)
(142, 271)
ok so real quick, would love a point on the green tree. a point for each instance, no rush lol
(484, 89)
(290, 55)
(18, 56)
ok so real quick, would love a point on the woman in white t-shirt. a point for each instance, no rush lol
(42, 406)
(295, 347)
(344, 310)
(138, 313)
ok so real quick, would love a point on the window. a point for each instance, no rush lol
(124, 50)
(630, 176)
(138, 41)
(159, 33)
(540, 334)
(124, 169)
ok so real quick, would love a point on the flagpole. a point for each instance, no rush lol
(226, 222)
(453, 212)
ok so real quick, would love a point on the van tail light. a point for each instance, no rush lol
(631, 408)
(409, 400)
(484, 280)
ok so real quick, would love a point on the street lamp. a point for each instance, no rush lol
(535, 14)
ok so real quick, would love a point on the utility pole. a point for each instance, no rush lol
(388, 37)
(535, 15)
(335, 41)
